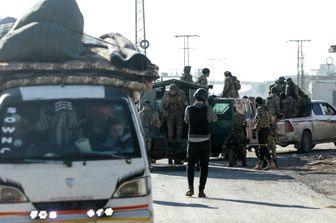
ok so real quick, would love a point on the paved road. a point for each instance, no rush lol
(237, 195)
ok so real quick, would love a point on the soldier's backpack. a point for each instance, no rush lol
(236, 83)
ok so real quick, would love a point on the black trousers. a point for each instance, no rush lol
(263, 141)
(198, 151)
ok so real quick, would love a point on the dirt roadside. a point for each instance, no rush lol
(316, 169)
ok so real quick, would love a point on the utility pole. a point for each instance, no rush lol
(140, 28)
(300, 63)
(186, 47)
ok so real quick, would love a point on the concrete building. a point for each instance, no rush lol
(323, 88)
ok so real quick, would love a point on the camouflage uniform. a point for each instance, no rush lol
(236, 145)
(273, 104)
(292, 89)
(307, 105)
(289, 107)
(186, 76)
(172, 107)
(202, 80)
(304, 106)
(272, 135)
(229, 90)
(261, 120)
(280, 85)
(151, 124)
(261, 126)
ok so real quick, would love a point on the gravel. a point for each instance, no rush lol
(316, 169)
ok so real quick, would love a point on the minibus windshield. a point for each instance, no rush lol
(84, 129)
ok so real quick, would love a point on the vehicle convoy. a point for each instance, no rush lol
(221, 130)
(306, 132)
(160, 148)
(72, 149)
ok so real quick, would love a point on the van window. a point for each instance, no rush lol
(68, 129)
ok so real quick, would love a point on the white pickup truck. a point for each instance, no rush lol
(306, 132)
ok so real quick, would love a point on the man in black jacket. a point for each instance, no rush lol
(198, 116)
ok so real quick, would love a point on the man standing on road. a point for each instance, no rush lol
(198, 116)
(172, 107)
(261, 126)
(151, 124)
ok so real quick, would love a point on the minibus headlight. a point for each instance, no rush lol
(11, 195)
(134, 188)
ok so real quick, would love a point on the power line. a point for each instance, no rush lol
(186, 47)
(300, 63)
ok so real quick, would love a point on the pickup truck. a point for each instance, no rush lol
(306, 132)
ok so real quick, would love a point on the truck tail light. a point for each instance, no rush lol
(289, 126)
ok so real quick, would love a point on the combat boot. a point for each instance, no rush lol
(190, 192)
(201, 193)
(271, 164)
(259, 165)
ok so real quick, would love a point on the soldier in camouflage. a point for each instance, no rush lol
(237, 143)
(203, 79)
(289, 107)
(292, 89)
(150, 122)
(272, 134)
(172, 108)
(273, 103)
(230, 90)
(261, 126)
(186, 76)
(280, 85)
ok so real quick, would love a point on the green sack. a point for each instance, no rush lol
(41, 42)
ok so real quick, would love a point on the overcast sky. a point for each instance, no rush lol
(247, 37)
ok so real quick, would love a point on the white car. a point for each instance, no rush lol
(306, 132)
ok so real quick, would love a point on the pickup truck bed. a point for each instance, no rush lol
(306, 132)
